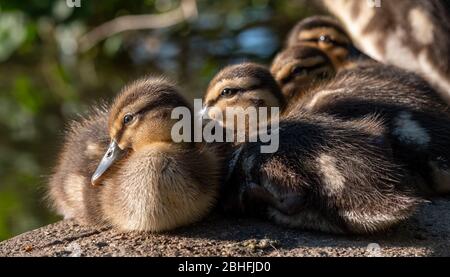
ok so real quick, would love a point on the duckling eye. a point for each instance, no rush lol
(299, 70)
(229, 92)
(326, 39)
(127, 119)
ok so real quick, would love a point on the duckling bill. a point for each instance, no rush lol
(112, 154)
(143, 180)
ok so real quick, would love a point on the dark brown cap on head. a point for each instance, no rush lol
(311, 23)
(249, 70)
(302, 52)
(298, 68)
(299, 52)
(146, 94)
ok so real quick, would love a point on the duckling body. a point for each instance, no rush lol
(417, 120)
(145, 181)
(70, 184)
(328, 174)
(413, 35)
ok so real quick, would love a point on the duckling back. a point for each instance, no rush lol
(70, 191)
(328, 175)
(417, 119)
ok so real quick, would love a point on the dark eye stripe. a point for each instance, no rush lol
(254, 87)
(291, 76)
(240, 90)
(321, 64)
(226, 92)
(119, 134)
(334, 42)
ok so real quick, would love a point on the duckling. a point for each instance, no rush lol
(413, 35)
(300, 68)
(326, 34)
(328, 174)
(145, 181)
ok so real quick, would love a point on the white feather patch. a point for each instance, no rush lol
(410, 131)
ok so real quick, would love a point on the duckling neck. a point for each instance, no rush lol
(167, 146)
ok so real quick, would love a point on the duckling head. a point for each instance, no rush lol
(242, 86)
(326, 34)
(299, 68)
(139, 117)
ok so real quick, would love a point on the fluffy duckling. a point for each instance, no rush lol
(145, 181)
(328, 174)
(300, 68)
(326, 34)
(413, 35)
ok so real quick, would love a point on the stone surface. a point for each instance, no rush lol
(426, 234)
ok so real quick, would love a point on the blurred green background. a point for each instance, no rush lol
(45, 81)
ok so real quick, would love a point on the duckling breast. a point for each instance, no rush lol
(157, 190)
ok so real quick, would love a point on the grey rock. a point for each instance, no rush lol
(216, 236)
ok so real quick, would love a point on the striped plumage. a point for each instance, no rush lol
(413, 35)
